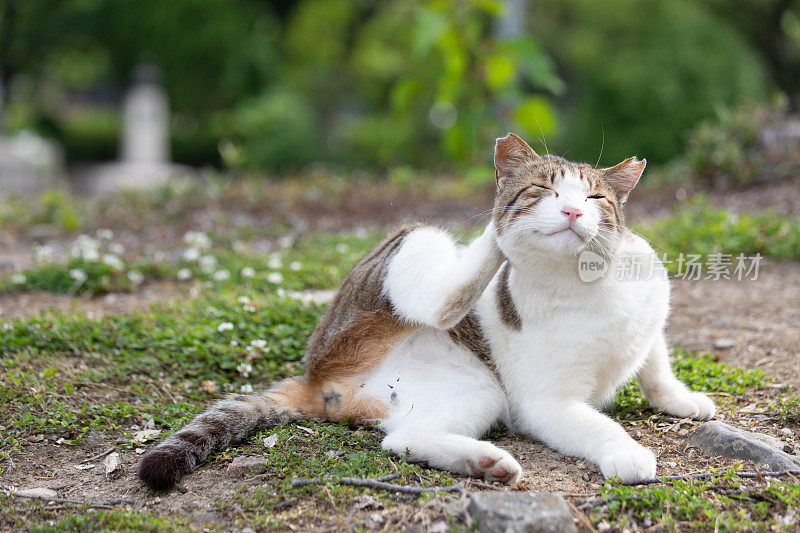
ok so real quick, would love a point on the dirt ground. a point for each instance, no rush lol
(760, 317)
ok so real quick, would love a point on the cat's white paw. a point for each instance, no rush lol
(496, 465)
(630, 463)
(687, 404)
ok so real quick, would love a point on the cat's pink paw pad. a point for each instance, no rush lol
(503, 468)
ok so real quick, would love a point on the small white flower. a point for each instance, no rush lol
(222, 275)
(113, 261)
(18, 278)
(197, 239)
(208, 263)
(91, 255)
(281, 293)
(191, 255)
(248, 272)
(105, 234)
(225, 326)
(116, 248)
(342, 248)
(234, 343)
(295, 266)
(246, 388)
(7, 326)
(258, 345)
(243, 300)
(42, 254)
(275, 277)
(78, 274)
(275, 261)
(135, 277)
(245, 369)
(184, 274)
(250, 308)
(286, 241)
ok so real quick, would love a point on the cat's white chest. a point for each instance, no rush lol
(572, 348)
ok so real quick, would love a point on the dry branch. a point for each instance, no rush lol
(374, 483)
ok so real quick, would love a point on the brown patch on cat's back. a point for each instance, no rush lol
(357, 331)
(505, 303)
(468, 333)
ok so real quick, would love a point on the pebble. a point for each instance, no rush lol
(38, 492)
(247, 465)
(723, 344)
(538, 512)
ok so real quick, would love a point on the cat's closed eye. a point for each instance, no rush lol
(596, 197)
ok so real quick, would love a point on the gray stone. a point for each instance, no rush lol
(247, 465)
(29, 163)
(716, 438)
(516, 512)
(723, 344)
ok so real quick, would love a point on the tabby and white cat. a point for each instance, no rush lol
(438, 343)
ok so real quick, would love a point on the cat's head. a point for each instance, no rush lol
(551, 205)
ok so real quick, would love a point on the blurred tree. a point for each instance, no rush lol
(643, 72)
(773, 29)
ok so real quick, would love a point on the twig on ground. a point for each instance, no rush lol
(88, 503)
(374, 484)
(581, 517)
(591, 503)
(389, 477)
(98, 456)
(480, 485)
(704, 475)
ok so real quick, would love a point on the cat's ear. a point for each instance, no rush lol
(623, 177)
(510, 152)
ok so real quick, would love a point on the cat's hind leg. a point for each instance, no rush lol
(668, 394)
(454, 453)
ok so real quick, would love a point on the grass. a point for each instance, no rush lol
(723, 502)
(67, 377)
(699, 228)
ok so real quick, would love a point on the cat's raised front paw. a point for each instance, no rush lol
(630, 463)
(687, 404)
(501, 467)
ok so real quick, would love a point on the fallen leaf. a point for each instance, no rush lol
(83, 467)
(307, 430)
(143, 435)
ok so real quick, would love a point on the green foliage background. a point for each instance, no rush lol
(366, 83)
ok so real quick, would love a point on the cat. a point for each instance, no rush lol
(437, 342)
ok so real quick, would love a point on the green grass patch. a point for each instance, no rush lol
(722, 502)
(699, 228)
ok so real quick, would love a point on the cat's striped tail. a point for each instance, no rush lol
(227, 421)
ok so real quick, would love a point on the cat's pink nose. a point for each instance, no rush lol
(572, 213)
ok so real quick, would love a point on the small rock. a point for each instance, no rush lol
(723, 344)
(717, 438)
(271, 441)
(786, 431)
(534, 512)
(139, 451)
(39, 492)
(247, 465)
(334, 454)
(111, 463)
